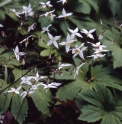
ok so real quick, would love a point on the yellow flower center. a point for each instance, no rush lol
(76, 51)
(69, 44)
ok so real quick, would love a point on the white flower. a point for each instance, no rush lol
(1, 25)
(26, 80)
(15, 12)
(26, 40)
(35, 87)
(53, 40)
(52, 85)
(77, 70)
(47, 14)
(52, 16)
(46, 29)
(15, 91)
(100, 50)
(97, 45)
(64, 14)
(60, 66)
(31, 27)
(67, 43)
(79, 50)
(27, 11)
(96, 56)
(88, 33)
(25, 93)
(17, 53)
(63, 1)
(46, 5)
(75, 32)
(37, 77)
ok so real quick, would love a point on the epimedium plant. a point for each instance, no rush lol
(79, 69)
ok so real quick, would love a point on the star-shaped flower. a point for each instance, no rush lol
(35, 87)
(27, 11)
(53, 40)
(64, 14)
(96, 56)
(46, 5)
(15, 12)
(100, 50)
(52, 85)
(26, 80)
(26, 93)
(47, 14)
(77, 70)
(46, 29)
(79, 50)
(60, 66)
(31, 27)
(38, 77)
(97, 45)
(15, 91)
(17, 53)
(26, 40)
(67, 43)
(75, 33)
(88, 33)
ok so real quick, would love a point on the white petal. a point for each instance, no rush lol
(91, 31)
(63, 12)
(68, 14)
(79, 35)
(84, 31)
(67, 47)
(49, 42)
(81, 55)
(50, 36)
(76, 30)
(55, 44)
(91, 36)
(71, 30)
(57, 37)
(63, 43)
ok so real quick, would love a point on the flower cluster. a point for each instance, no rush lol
(30, 84)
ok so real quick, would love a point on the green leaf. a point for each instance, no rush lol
(103, 76)
(115, 6)
(110, 119)
(5, 98)
(91, 113)
(19, 108)
(113, 44)
(41, 99)
(101, 105)
(18, 73)
(94, 4)
(46, 52)
(83, 7)
(69, 91)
